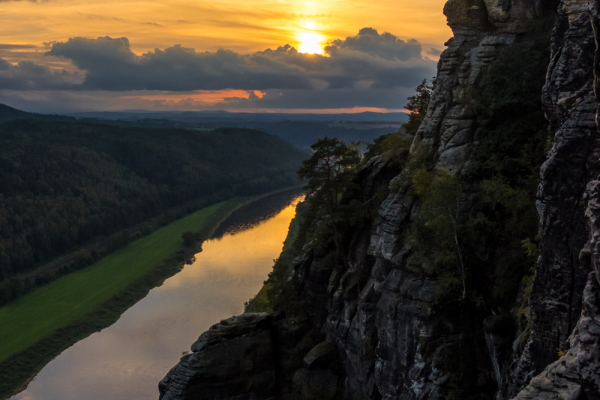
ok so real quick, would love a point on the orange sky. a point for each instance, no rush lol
(28, 28)
(240, 25)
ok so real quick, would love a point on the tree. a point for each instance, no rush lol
(188, 239)
(418, 105)
(191, 239)
(329, 171)
(437, 230)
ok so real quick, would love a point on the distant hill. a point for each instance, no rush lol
(305, 133)
(11, 114)
(221, 116)
(66, 183)
(301, 130)
(299, 133)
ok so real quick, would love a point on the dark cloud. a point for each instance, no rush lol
(369, 41)
(369, 59)
(49, 101)
(28, 75)
(366, 70)
(335, 98)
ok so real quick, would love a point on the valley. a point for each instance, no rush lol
(133, 353)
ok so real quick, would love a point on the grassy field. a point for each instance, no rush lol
(59, 304)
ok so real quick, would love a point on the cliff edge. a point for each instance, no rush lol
(466, 268)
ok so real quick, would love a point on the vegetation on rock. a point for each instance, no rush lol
(330, 172)
(473, 233)
(418, 105)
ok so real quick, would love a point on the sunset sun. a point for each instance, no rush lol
(311, 41)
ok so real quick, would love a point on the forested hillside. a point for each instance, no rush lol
(10, 114)
(66, 184)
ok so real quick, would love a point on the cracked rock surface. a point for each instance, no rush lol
(574, 376)
(369, 330)
(232, 360)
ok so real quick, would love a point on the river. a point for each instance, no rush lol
(127, 360)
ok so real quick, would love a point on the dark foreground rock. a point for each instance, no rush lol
(576, 375)
(232, 360)
(252, 357)
(369, 327)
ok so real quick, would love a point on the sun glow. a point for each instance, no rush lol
(311, 41)
(243, 26)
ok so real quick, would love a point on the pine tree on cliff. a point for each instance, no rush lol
(329, 171)
(417, 105)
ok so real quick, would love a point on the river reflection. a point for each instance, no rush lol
(127, 360)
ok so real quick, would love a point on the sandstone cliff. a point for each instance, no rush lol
(379, 322)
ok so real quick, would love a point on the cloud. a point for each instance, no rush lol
(96, 17)
(333, 98)
(28, 75)
(368, 59)
(48, 101)
(232, 24)
(16, 46)
(366, 70)
(386, 45)
(434, 52)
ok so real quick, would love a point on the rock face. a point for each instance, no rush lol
(257, 357)
(575, 375)
(232, 360)
(370, 329)
(394, 343)
(573, 161)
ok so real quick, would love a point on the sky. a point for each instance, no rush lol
(236, 55)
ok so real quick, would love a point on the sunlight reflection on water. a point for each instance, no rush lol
(128, 359)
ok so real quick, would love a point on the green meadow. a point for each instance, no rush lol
(39, 314)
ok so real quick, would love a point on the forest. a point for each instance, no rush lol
(66, 184)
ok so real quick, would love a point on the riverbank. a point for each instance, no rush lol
(264, 301)
(37, 327)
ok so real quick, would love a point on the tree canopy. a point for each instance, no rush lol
(329, 171)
